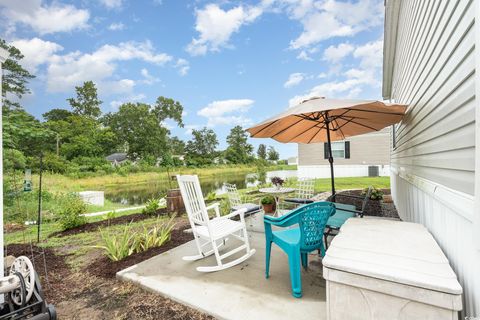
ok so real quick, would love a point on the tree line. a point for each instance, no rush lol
(79, 138)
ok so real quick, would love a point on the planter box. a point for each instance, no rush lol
(382, 269)
(93, 197)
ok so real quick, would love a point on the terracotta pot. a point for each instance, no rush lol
(269, 208)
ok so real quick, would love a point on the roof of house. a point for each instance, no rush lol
(118, 156)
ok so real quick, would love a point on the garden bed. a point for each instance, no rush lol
(93, 226)
(374, 207)
(91, 291)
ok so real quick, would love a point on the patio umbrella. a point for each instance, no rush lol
(326, 120)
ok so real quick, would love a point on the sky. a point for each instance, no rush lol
(227, 62)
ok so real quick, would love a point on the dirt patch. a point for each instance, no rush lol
(93, 226)
(104, 267)
(373, 208)
(12, 227)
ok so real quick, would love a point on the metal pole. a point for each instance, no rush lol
(330, 156)
(39, 218)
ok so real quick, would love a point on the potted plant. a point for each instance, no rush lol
(277, 182)
(268, 204)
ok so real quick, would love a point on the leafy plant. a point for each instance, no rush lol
(117, 246)
(70, 211)
(154, 237)
(376, 194)
(268, 200)
(211, 196)
(225, 206)
(110, 216)
(151, 206)
(277, 181)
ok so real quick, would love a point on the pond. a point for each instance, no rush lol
(137, 194)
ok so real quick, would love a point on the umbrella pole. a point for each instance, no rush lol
(330, 157)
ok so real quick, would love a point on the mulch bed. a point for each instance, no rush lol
(58, 270)
(373, 208)
(93, 226)
(106, 268)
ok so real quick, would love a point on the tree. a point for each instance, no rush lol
(177, 146)
(238, 150)
(140, 127)
(56, 115)
(168, 108)
(86, 103)
(262, 152)
(273, 155)
(15, 77)
(201, 149)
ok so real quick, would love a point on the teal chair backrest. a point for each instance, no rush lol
(311, 219)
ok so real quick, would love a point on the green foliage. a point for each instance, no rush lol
(238, 150)
(211, 196)
(57, 115)
(117, 245)
(69, 211)
(268, 200)
(13, 159)
(151, 206)
(272, 154)
(110, 216)
(262, 152)
(200, 151)
(153, 237)
(225, 207)
(376, 194)
(86, 103)
(15, 77)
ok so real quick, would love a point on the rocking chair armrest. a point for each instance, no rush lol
(215, 206)
(240, 212)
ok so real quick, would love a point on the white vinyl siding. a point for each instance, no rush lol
(433, 148)
(434, 74)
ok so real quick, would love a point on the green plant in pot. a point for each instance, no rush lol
(268, 204)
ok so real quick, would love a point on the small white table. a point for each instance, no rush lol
(276, 193)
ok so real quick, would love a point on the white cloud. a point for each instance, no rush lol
(112, 4)
(148, 78)
(114, 104)
(64, 72)
(36, 52)
(366, 74)
(183, 66)
(327, 19)
(335, 54)
(116, 26)
(225, 112)
(303, 55)
(216, 26)
(294, 79)
(190, 127)
(44, 18)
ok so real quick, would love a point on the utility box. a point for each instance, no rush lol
(382, 269)
(373, 171)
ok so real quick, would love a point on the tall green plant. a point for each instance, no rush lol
(70, 211)
(153, 237)
(117, 246)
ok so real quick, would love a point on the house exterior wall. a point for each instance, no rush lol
(367, 149)
(429, 64)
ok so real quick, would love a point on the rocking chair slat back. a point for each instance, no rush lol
(194, 202)
(233, 195)
(305, 188)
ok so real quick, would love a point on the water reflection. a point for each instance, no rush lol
(136, 194)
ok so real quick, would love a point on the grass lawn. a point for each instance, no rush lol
(352, 183)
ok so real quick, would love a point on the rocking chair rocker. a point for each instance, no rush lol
(212, 232)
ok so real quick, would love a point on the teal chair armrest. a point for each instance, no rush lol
(283, 221)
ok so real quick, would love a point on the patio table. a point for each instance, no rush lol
(276, 193)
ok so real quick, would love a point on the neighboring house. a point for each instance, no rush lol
(117, 158)
(431, 56)
(357, 156)
(293, 161)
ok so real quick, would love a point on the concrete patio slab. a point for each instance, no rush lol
(241, 292)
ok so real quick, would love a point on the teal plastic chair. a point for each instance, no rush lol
(298, 242)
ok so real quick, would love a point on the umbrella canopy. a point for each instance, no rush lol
(325, 120)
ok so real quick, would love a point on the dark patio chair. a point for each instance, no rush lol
(344, 212)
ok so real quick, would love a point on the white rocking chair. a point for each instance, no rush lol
(212, 232)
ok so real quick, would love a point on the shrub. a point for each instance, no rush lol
(110, 216)
(70, 210)
(225, 206)
(268, 200)
(117, 246)
(154, 237)
(151, 206)
(376, 194)
(211, 196)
